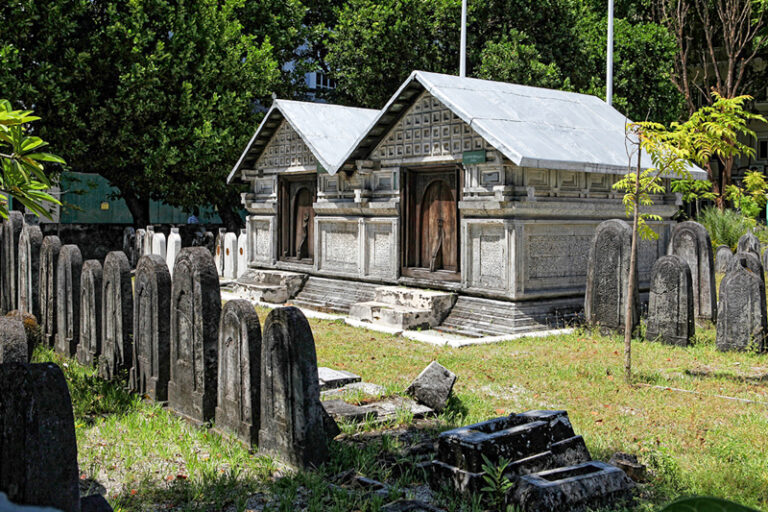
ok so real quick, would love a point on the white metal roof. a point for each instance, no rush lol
(327, 130)
(531, 126)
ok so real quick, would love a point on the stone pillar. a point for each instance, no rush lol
(38, 450)
(291, 413)
(242, 253)
(69, 267)
(691, 242)
(151, 329)
(9, 293)
(49, 258)
(607, 277)
(219, 251)
(173, 249)
(230, 256)
(670, 305)
(129, 246)
(195, 312)
(158, 245)
(117, 314)
(723, 256)
(239, 391)
(14, 347)
(89, 348)
(30, 241)
(741, 315)
(141, 241)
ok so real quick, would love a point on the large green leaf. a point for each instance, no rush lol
(704, 504)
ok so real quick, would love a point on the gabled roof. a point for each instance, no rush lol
(327, 130)
(531, 126)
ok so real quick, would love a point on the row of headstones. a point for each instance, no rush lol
(230, 251)
(682, 287)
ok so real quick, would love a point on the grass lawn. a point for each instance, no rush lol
(693, 443)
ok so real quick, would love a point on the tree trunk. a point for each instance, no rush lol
(139, 208)
(231, 219)
(631, 282)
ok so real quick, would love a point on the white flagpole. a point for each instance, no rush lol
(609, 59)
(463, 50)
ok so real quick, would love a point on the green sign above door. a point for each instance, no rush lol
(474, 157)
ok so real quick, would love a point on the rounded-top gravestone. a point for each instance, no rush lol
(242, 252)
(670, 303)
(741, 320)
(749, 243)
(49, 260)
(117, 318)
(12, 227)
(723, 256)
(68, 271)
(30, 241)
(159, 245)
(691, 242)
(173, 248)
(89, 348)
(230, 255)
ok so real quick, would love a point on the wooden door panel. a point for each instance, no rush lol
(297, 218)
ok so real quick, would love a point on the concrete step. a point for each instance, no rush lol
(272, 286)
(333, 295)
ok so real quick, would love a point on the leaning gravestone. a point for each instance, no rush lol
(670, 305)
(607, 277)
(741, 316)
(151, 329)
(691, 242)
(117, 318)
(749, 243)
(38, 451)
(291, 413)
(239, 399)
(723, 257)
(68, 271)
(30, 240)
(49, 258)
(195, 312)
(13, 341)
(129, 246)
(89, 348)
(173, 248)
(12, 227)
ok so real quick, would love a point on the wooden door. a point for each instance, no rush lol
(297, 218)
(431, 224)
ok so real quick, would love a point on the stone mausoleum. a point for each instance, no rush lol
(464, 205)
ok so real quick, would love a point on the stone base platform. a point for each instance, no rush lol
(404, 308)
(333, 295)
(272, 286)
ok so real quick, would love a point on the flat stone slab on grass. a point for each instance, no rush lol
(364, 388)
(333, 379)
(433, 386)
(388, 408)
(341, 410)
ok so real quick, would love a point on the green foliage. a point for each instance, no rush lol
(515, 59)
(703, 504)
(693, 190)
(22, 162)
(497, 484)
(725, 227)
(751, 199)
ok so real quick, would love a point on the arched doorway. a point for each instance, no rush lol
(297, 218)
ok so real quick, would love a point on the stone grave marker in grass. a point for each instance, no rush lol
(691, 242)
(117, 318)
(12, 227)
(741, 317)
(69, 267)
(723, 256)
(30, 240)
(89, 348)
(671, 302)
(49, 257)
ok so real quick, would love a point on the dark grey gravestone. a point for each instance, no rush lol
(129, 246)
(723, 257)
(433, 386)
(670, 304)
(49, 258)
(13, 341)
(12, 227)
(749, 243)
(30, 240)
(607, 277)
(209, 242)
(195, 313)
(690, 240)
(151, 328)
(292, 426)
(89, 348)
(741, 316)
(117, 318)
(239, 402)
(69, 267)
(749, 261)
(141, 241)
(38, 451)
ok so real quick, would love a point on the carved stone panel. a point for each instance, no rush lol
(381, 248)
(555, 255)
(117, 315)
(670, 305)
(263, 244)
(49, 257)
(741, 314)
(339, 249)
(151, 357)
(487, 252)
(239, 389)
(9, 293)
(89, 348)
(291, 413)
(691, 242)
(195, 312)
(30, 240)
(68, 271)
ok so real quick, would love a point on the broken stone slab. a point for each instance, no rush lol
(341, 410)
(404, 308)
(630, 465)
(333, 379)
(390, 407)
(13, 341)
(273, 286)
(364, 388)
(591, 484)
(433, 386)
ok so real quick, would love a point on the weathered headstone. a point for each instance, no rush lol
(607, 277)
(670, 305)
(749, 261)
(723, 256)
(242, 253)
(30, 240)
(230, 255)
(149, 239)
(49, 260)
(159, 245)
(117, 318)
(38, 450)
(13, 341)
(219, 254)
(151, 329)
(690, 241)
(9, 293)
(173, 248)
(749, 243)
(89, 348)
(239, 401)
(195, 312)
(433, 386)
(291, 412)
(68, 271)
(141, 242)
(209, 242)
(741, 316)
(129, 246)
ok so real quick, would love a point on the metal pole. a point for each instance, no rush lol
(609, 59)
(463, 50)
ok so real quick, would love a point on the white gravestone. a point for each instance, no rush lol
(158, 245)
(173, 247)
(242, 252)
(148, 239)
(230, 255)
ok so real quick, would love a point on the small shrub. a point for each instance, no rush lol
(725, 227)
